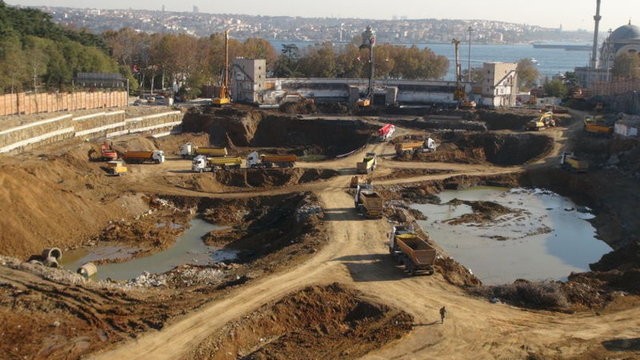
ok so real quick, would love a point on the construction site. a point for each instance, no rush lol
(292, 233)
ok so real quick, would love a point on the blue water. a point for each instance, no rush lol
(550, 62)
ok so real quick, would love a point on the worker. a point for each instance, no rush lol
(443, 314)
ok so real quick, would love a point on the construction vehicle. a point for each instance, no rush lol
(411, 250)
(368, 163)
(255, 160)
(459, 94)
(368, 42)
(222, 92)
(597, 126)
(190, 150)
(116, 168)
(106, 153)
(359, 180)
(385, 132)
(368, 202)
(544, 121)
(139, 157)
(570, 162)
(202, 163)
(414, 146)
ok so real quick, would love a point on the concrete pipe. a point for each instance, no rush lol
(52, 252)
(51, 262)
(87, 270)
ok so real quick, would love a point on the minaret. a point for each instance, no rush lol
(594, 51)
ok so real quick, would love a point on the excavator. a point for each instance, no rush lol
(459, 94)
(222, 96)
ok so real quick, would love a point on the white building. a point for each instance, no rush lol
(499, 84)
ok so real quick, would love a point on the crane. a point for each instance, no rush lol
(222, 97)
(368, 41)
(459, 94)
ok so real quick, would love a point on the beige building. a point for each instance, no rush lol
(499, 84)
(249, 76)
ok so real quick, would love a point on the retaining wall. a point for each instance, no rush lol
(27, 104)
(104, 124)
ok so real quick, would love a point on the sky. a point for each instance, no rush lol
(570, 14)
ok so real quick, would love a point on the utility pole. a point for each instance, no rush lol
(470, 29)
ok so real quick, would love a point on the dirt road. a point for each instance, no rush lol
(357, 255)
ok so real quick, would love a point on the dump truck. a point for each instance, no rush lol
(385, 132)
(139, 157)
(411, 250)
(358, 180)
(597, 126)
(190, 150)
(570, 162)
(116, 168)
(413, 146)
(202, 163)
(255, 160)
(368, 202)
(368, 163)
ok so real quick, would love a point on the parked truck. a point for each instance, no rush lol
(411, 250)
(139, 157)
(385, 132)
(368, 202)
(368, 163)
(256, 160)
(597, 126)
(202, 163)
(190, 150)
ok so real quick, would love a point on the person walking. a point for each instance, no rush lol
(443, 314)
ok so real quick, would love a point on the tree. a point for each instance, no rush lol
(255, 48)
(287, 63)
(528, 74)
(556, 88)
(626, 66)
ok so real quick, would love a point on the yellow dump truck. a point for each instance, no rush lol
(408, 147)
(411, 250)
(116, 168)
(368, 164)
(368, 202)
(202, 163)
(255, 160)
(572, 163)
(596, 126)
(190, 150)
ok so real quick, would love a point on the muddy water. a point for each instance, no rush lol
(188, 249)
(546, 236)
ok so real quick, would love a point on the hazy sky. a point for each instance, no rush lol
(571, 14)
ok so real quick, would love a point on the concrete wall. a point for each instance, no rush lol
(14, 104)
(103, 124)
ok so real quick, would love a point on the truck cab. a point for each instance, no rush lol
(199, 164)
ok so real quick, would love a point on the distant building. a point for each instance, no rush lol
(625, 39)
(100, 80)
(499, 84)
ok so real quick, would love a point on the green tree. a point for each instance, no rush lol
(626, 66)
(13, 65)
(319, 61)
(556, 88)
(528, 74)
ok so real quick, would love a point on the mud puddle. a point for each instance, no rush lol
(541, 235)
(188, 249)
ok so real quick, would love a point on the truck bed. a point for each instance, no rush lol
(417, 249)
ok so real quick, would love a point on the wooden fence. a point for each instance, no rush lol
(26, 104)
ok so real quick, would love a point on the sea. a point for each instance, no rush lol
(549, 61)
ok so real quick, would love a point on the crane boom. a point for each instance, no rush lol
(222, 97)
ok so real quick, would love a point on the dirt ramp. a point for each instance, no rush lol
(319, 322)
(271, 177)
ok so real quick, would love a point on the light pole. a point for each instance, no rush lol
(470, 29)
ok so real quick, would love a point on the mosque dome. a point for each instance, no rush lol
(625, 33)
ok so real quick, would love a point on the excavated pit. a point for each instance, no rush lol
(319, 322)
(475, 148)
(260, 129)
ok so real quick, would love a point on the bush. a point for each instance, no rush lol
(534, 295)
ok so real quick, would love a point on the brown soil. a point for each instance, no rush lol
(326, 322)
(296, 231)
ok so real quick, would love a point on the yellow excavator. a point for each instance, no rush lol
(222, 96)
